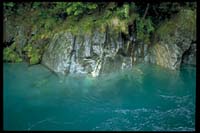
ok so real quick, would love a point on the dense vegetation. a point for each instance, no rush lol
(41, 18)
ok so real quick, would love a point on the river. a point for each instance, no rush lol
(145, 98)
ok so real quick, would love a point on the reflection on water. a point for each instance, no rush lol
(145, 98)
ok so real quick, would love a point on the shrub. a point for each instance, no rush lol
(33, 54)
(144, 28)
(10, 55)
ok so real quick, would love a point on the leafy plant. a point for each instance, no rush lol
(77, 8)
(144, 27)
(33, 54)
(9, 4)
(73, 8)
(8, 8)
(36, 4)
(123, 12)
(10, 55)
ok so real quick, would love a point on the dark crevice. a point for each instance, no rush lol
(120, 4)
(186, 53)
(132, 31)
(106, 37)
(62, 15)
(124, 37)
(8, 44)
(71, 54)
(121, 52)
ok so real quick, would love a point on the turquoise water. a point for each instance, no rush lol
(146, 98)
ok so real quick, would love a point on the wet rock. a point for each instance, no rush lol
(57, 56)
(189, 57)
(173, 38)
(87, 54)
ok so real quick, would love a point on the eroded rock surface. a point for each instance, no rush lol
(173, 39)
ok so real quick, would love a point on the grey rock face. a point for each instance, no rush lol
(180, 32)
(189, 57)
(58, 55)
(83, 54)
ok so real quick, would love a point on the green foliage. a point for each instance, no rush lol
(8, 8)
(48, 25)
(78, 8)
(144, 27)
(33, 54)
(123, 12)
(184, 21)
(8, 4)
(36, 4)
(74, 8)
(149, 26)
(10, 55)
(111, 6)
(191, 5)
(126, 10)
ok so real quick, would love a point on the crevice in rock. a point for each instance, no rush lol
(187, 53)
(62, 16)
(8, 44)
(71, 54)
(101, 60)
(121, 52)
(106, 37)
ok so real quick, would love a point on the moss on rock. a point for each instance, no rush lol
(173, 38)
(184, 21)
